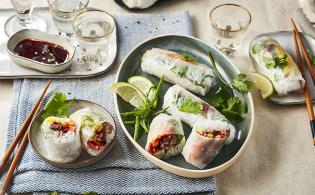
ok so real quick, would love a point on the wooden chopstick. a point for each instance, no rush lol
(309, 106)
(16, 158)
(307, 58)
(22, 129)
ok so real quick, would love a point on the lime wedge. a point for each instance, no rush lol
(129, 93)
(143, 84)
(263, 83)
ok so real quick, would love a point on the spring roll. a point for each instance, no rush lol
(276, 64)
(166, 136)
(61, 139)
(191, 109)
(95, 133)
(205, 142)
(191, 75)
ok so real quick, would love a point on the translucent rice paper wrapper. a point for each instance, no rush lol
(166, 124)
(60, 147)
(198, 78)
(190, 118)
(200, 150)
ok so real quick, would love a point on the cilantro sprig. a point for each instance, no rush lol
(57, 106)
(224, 100)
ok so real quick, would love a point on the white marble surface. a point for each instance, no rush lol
(280, 156)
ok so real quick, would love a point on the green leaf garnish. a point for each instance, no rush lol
(89, 193)
(186, 104)
(53, 193)
(241, 84)
(281, 61)
(189, 58)
(224, 100)
(141, 117)
(57, 106)
(311, 56)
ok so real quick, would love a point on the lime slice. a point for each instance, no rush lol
(263, 83)
(129, 93)
(143, 84)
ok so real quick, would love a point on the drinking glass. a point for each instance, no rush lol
(93, 30)
(229, 23)
(23, 19)
(63, 12)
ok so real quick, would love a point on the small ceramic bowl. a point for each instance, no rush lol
(39, 35)
(36, 138)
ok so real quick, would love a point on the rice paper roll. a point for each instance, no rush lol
(205, 142)
(190, 109)
(166, 136)
(275, 63)
(61, 139)
(192, 75)
(95, 133)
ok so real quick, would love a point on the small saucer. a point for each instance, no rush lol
(37, 141)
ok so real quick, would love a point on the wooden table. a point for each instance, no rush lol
(279, 158)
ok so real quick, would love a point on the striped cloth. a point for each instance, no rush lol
(124, 170)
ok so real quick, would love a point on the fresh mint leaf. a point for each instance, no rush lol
(189, 105)
(241, 84)
(57, 106)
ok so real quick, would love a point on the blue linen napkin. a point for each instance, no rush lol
(124, 170)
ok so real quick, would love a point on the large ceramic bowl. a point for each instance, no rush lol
(177, 165)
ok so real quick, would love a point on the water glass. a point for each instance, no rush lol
(229, 23)
(23, 18)
(93, 30)
(63, 12)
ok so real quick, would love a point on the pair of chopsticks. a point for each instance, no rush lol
(299, 42)
(23, 132)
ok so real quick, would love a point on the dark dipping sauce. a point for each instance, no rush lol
(41, 51)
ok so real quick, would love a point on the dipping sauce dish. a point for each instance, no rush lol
(40, 51)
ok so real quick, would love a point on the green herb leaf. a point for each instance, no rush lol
(189, 105)
(57, 106)
(214, 67)
(89, 193)
(189, 58)
(281, 61)
(256, 48)
(53, 193)
(235, 109)
(311, 56)
(241, 84)
(179, 137)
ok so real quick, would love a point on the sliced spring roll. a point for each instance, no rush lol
(191, 109)
(276, 64)
(166, 136)
(191, 75)
(61, 139)
(95, 133)
(205, 142)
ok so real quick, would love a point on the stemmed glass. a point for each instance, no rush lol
(23, 18)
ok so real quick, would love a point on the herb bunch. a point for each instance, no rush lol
(224, 100)
(141, 117)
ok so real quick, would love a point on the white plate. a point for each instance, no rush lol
(286, 41)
